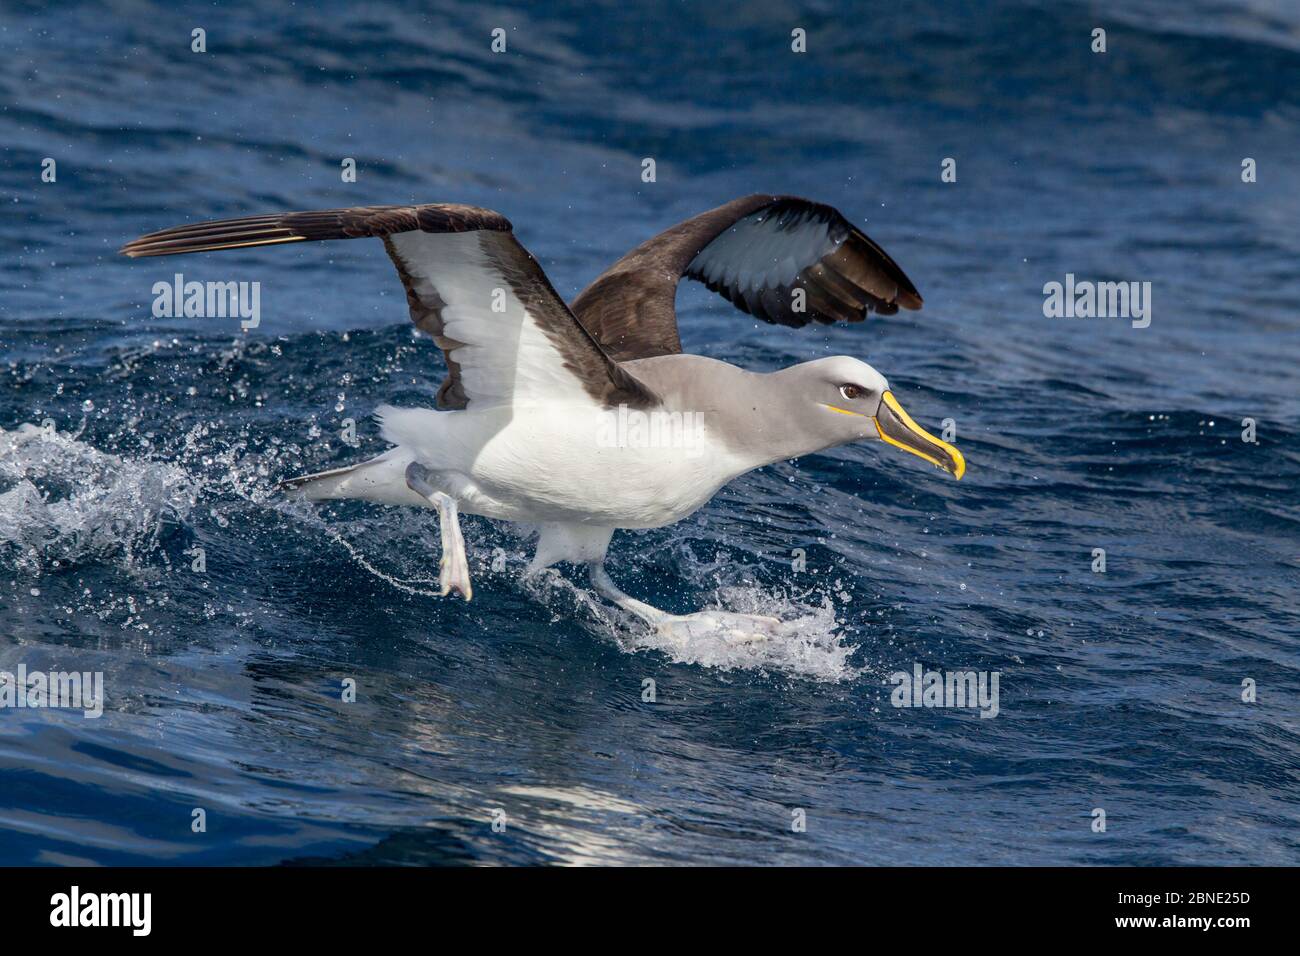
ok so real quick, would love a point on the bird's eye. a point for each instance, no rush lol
(851, 391)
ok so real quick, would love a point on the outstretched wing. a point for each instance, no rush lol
(507, 337)
(780, 258)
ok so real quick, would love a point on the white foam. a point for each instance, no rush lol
(67, 502)
(809, 643)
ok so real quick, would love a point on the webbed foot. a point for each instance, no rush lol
(453, 574)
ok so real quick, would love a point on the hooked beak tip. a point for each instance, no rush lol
(897, 428)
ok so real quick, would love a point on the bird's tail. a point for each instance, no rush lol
(323, 484)
(381, 480)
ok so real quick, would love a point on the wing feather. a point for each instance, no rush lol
(759, 252)
(506, 335)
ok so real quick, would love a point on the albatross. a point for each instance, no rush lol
(531, 423)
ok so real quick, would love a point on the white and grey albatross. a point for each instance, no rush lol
(531, 423)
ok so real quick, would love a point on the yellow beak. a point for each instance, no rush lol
(896, 427)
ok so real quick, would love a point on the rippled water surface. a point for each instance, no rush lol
(1120, 691)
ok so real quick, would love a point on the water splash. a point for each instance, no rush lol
(67, 503)
(808, 644)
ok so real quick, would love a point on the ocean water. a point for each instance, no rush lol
(128, 441)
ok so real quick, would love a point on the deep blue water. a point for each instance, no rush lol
(1119, 691)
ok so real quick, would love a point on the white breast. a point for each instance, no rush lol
(611, 467)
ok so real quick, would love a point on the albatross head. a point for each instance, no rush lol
(846, 400)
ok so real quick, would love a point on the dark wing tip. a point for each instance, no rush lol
(850, 278)
(162, 245)
(349, 223)
(905, 293)
(907, 296)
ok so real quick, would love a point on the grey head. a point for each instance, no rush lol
(795, 411)
(837, 400)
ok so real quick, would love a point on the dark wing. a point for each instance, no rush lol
(780, 258)
(507, 336)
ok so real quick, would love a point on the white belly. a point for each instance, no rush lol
(572, 464)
